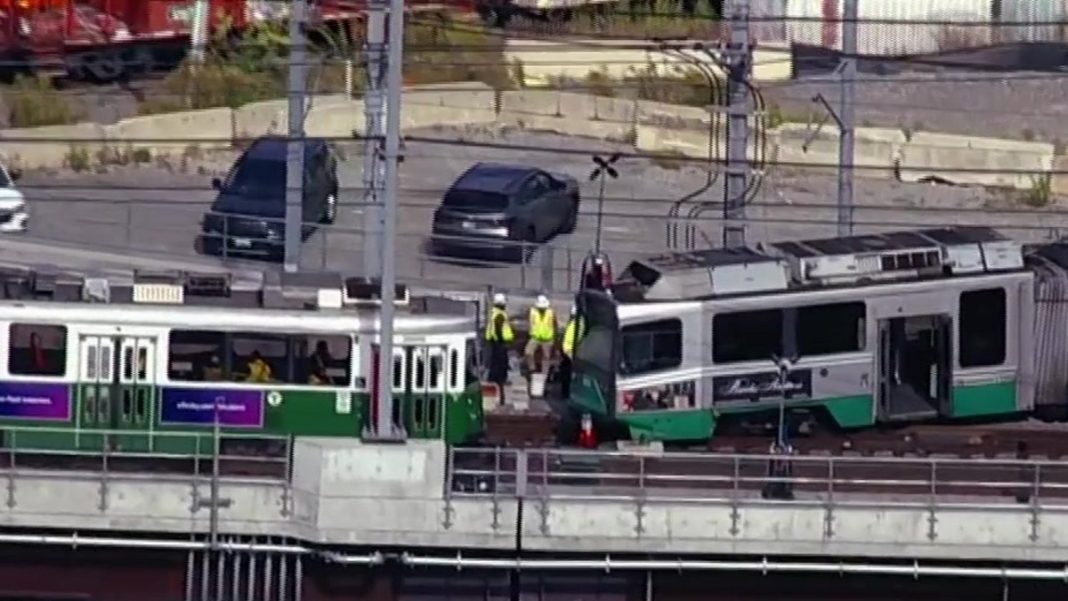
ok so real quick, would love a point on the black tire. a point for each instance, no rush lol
(572, 220)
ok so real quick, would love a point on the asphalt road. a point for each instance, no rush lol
(156, 210)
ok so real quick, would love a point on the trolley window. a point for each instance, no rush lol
(651, 346)
(982, 327)
(197, 356)
(37, 350)
(747, 336)
(829, 329)
(324, 360)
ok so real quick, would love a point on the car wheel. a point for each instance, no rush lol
(330, 212)
(572, 219)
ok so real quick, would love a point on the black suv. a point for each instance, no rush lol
(248, 215)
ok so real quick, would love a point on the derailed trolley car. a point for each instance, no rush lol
(898, 327)
(152, 359)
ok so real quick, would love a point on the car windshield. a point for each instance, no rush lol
(475, 200)
(257, 177)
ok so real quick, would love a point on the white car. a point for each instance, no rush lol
(13, 215)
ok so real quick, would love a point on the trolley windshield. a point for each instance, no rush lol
(596, 353)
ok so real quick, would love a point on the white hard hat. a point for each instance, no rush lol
(499, 299)
(542, 302)
(574, 309)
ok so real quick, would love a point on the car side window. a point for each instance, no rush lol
(535, 187)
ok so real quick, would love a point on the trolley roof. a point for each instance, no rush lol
(307, 294)
(807, 264)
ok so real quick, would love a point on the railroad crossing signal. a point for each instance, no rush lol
(605, 167)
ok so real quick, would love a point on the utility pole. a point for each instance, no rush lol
(374, 116)
(295, 156)
(198, 36)
(737, 58)
(847, 117)
(385, 428)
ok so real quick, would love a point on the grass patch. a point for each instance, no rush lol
(441, 51)
(254, 67)
(33, 101)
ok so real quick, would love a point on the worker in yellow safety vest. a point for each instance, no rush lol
(572, 332)
(542, 334)
(498, 336)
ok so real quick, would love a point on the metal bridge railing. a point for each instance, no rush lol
(146, 454)
(840, 480)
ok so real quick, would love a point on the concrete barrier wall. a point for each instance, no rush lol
(649, 126)
(49, 146)
(541, 61)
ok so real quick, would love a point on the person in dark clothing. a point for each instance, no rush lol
(498, 337)
(317, 363)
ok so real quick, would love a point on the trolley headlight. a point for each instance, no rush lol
(24, 27)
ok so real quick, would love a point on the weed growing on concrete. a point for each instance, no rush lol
(777, 116)
(669, 160)
(33, 101)
(141, 156)
(77, 158)
(1040, 194)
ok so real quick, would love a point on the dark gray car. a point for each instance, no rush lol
(500, 209)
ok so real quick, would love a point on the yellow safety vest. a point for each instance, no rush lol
(572, 332)
(542, 325)
(506, 329)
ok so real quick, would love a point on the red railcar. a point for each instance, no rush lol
(105, 39)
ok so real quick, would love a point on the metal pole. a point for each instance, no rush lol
(737, 58)
(199, 35)
(385, 428)
(847, 118)
(600, 214)
(374, 116)
(215, 501)
(295, 156)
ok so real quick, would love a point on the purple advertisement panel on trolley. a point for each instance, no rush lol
(33, 400)
(202, 406)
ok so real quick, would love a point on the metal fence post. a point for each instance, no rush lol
(521, 467)
(496, 488)
(224, 243)
(326, 246)
(932, 517)
(103, 504)
(1035, 507)
(828, 516)
(543, 496)
(547, 264)
(450, 469)
(736, 494)
(129, 224)
(11, 469)
(639, 501)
